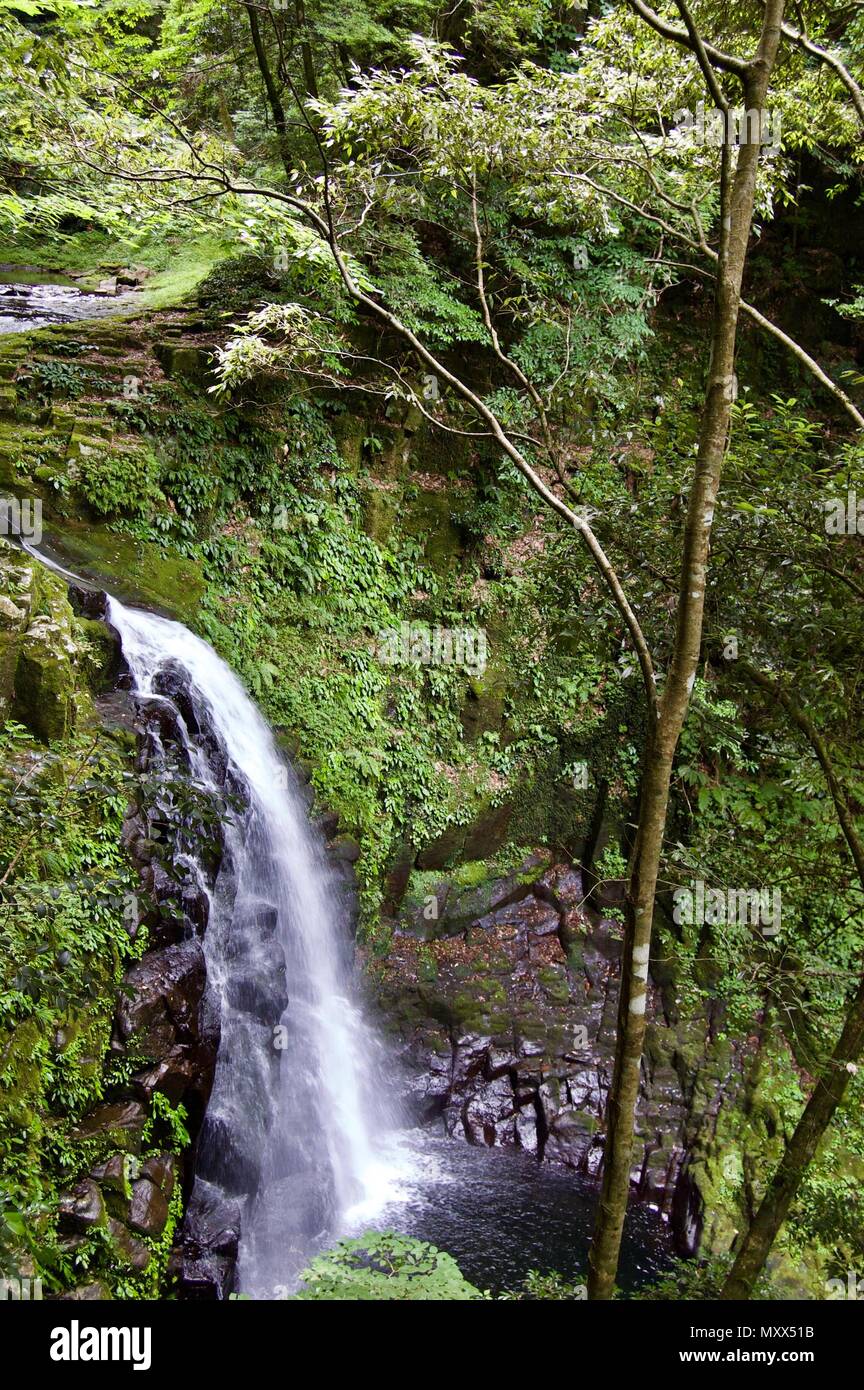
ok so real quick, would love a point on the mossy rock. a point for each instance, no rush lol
(434, 452)
(45, 681)
(23, 1054)
(17, 595)
(556, 986)
(718, 1200)
(238, 284)
(582, 1121)
(109, 1129)
(483, 708)
(466, 1013)
(138, 572)
(349, 431)
(530, 1027)
(428, 518)
(380, 510)
(21, 450)
(479, 839)
(101, 657)
(189, 363)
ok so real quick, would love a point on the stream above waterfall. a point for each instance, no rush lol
(34, 298)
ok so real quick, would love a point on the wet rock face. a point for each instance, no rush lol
(17, 595)
(163, 1014)
(127, 1247)
(175, 840)
(161, 1022)
(82, 1208)
(509, 1023)
(107, 667)
(160, 998)
(148, 1209)
(161, 1170)
(211, 1241)
(259, 992)
(119, 1124)
(173, 682)
(96, 1292)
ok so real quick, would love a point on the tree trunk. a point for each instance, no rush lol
(276, 108)
(736, 222)
(310, 79)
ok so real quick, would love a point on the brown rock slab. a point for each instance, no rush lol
(161, 1169)
(127, 1247)
(148, 1210)
(82, 1208)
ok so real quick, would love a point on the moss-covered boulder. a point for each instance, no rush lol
(188, 362)
(428, 517)
(478, 839)
(16, 602)
(483, 710)
(380, 510)
(136, 571)
(45, 669)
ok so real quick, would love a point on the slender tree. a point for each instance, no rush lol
(737, 197)
(274, 99)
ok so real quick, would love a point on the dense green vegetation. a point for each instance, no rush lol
(422, 296)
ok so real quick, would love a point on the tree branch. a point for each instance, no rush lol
(750, 310)
(727, 61)
(698, 45)
(837, 66)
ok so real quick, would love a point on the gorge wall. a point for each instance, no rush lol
(489, 919)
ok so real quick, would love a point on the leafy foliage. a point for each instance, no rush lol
(378, 1266)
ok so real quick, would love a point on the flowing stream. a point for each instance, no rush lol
(33, 298)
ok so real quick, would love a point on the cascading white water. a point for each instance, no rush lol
(295, 1109)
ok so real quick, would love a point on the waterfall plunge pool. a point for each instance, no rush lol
(500, 1214)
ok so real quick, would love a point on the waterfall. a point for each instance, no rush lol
(291, 1125)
